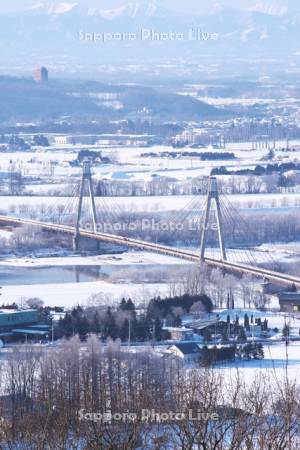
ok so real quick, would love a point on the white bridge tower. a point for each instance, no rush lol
(86, 187)
(212, 196)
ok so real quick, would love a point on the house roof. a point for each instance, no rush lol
(180, 329)
(30, 332)
(187, 348)
(271, 288)
(202, 324)
(289, 297)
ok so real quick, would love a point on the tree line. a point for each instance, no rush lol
(124, 322)
(98, 396)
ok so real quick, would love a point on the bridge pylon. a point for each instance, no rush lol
(212, 196)
(86, 186)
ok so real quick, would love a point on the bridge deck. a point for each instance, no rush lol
(274, 277)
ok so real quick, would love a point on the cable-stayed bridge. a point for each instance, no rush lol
(222, 213)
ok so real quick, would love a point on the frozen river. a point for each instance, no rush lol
(17, 276)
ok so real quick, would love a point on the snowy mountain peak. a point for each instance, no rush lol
(131, 10)
(271, 10)
(216, 8)
(52, 9)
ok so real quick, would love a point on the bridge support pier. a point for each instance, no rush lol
(84, 244)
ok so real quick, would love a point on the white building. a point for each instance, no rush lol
(189, 352)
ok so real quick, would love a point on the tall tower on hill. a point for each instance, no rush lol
(41, 75)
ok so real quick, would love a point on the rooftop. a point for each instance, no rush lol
(289, 297)
(16, 311)
(28, 331)
(187, 348)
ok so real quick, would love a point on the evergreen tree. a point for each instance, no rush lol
(247, 351)
(123, 304)
(127, 305)
(177, 321)
(254, 351)
(124, 331)
(207, 335)
(130, 305)
(158, 330)
(225, 339)
(170, 320)
(228, 301)
(82, 326)
(143, 331)
(232, 302)
(242, 335)
(246, 322)
(110, 327)
(286, 332)
(68, 326)
(96, 326)
(260, 351)
(206, 357)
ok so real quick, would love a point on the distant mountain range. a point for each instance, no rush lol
(70, 31)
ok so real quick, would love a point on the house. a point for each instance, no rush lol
(203, 324)
(271, 288)
(180, 333)
(10, 318)
(189, 352)
(16, 324)
(62, 140)
(289, 301)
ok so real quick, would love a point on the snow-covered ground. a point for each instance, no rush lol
(275, 319)
(289, 252)
(160, 203)
(278, 356)
(278, 361)
(136, 167)
(5, 234)
(129, 258)
(69, 295)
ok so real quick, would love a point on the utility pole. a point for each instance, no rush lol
(212, 195)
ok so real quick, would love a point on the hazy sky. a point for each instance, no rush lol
(188, 5)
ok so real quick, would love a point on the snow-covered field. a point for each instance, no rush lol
(136, 167)
(69, 295)
(278, 356)
(129, 258)
(278, 361)
(275, 319)
(159, 203)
